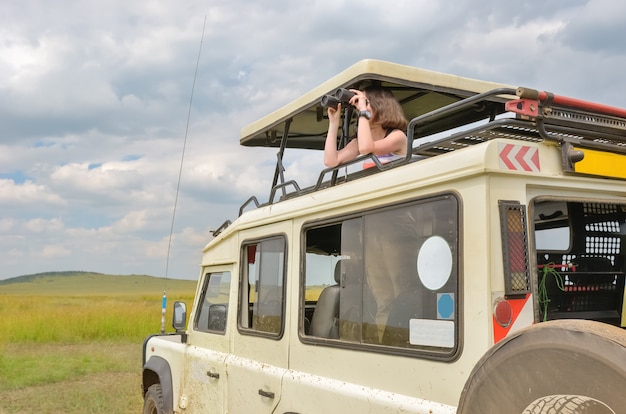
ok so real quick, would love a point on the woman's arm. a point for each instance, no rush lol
(332, 157)
(394, 143)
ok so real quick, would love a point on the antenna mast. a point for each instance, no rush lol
(180, 172)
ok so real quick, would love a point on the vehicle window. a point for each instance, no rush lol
(552, 227)
(262, 286)
(386, 278)
(554, 239)
(213, 305)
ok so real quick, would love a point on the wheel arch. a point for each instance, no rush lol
(157, 371)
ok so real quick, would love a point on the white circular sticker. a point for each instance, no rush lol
(434, 262)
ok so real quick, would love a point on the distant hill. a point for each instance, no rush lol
(80, 283)
(34, 276)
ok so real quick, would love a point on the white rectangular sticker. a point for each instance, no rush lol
(430, 332)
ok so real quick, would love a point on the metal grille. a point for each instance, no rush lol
(599, 208)
(593, 283)
(514, 248)
(606, 227)
(591, 297)
(602, 245)
(603, 229)
(590, 284)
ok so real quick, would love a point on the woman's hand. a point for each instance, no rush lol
(359, 101)
(334, 115)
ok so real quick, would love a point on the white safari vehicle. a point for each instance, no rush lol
(482, 273)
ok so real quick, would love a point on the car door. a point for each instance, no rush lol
(204, 372)
(259, 357)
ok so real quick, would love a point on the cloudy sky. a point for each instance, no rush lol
(94, 101)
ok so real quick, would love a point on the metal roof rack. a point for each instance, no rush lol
(584, 124)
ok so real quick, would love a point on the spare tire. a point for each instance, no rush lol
(572, 358)
(567, 404)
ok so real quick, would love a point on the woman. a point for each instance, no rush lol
(380, 130)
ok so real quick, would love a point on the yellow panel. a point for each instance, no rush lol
(602, 163)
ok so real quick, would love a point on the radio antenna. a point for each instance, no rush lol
(180, 173)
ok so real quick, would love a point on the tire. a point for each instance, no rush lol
(567, 404)
(153, 400)
(550, 368)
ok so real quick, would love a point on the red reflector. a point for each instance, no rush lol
(503, 312)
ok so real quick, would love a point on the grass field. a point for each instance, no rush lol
(72, 343)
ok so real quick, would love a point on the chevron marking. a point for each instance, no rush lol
(518, 157)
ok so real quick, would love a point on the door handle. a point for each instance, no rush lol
(213, 374)
(267, 394)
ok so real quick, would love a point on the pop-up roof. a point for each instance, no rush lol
(419, 91)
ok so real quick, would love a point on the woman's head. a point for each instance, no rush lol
(386, 110)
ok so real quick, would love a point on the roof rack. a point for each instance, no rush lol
(584, 124)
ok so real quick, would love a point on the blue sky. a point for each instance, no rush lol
(94, 98)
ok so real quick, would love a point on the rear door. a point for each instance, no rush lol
(260, 347)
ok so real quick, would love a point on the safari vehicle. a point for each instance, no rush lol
(482, 273)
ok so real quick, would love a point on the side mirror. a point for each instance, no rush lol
(179, 318)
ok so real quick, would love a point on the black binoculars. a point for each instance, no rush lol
(341, 95)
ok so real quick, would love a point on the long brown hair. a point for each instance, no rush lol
(387, 110)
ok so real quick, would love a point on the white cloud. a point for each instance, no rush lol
(40, 225)
(132, 222)
(54, 251)
(27, 193)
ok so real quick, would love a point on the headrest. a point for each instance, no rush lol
(338, 272)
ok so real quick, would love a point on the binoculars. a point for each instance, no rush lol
(341, 95)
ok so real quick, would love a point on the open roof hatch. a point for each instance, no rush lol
(419, 92)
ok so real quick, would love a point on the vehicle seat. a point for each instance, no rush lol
(324, 322)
